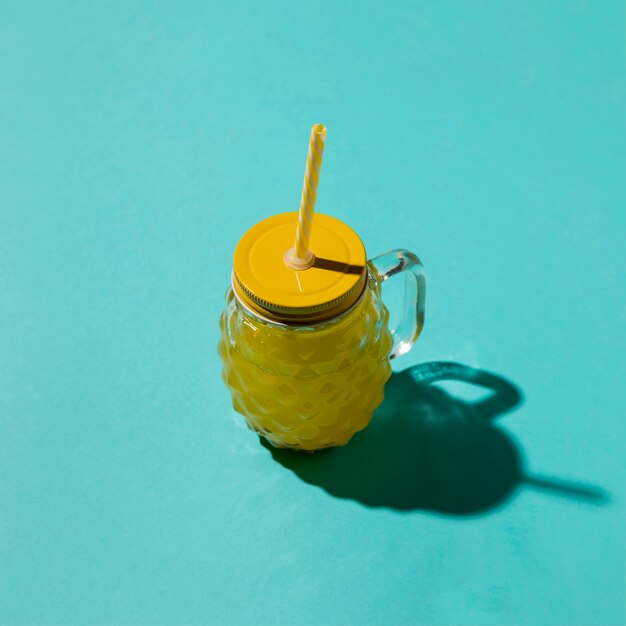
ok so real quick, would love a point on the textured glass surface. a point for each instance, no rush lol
(307, 387)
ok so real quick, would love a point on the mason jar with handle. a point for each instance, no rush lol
(306, 351)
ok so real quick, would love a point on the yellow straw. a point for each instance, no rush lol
(302, 257)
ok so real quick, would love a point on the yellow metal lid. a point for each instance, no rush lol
(265, 283)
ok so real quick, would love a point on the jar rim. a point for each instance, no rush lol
(304, 324)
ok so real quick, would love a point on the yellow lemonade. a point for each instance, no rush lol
(308, 387)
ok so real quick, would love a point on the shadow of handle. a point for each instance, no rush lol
(504, 398)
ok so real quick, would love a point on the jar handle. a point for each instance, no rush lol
(410, 326)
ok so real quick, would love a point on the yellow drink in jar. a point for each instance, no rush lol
(304, 338)
(306, 353)
(308, 387)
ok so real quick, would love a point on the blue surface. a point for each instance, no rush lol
(139, 140)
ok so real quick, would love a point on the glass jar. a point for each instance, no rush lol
(310, 386)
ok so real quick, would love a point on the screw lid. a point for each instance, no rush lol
(266, 280)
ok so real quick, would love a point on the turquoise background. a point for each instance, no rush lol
(138, 140)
